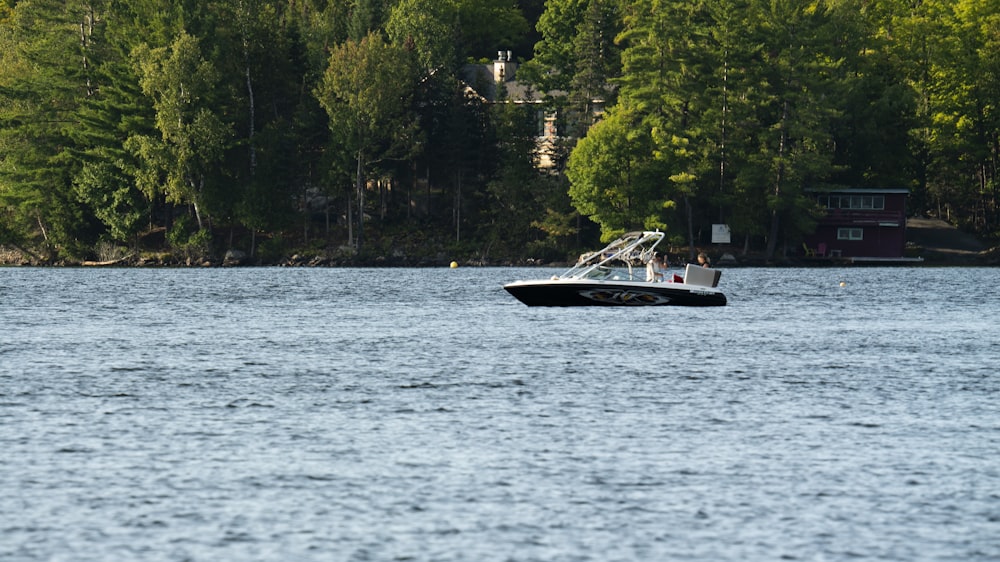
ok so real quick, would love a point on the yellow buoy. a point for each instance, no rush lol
(842, 284)
(454, 264)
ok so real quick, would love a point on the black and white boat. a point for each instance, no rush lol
(618, 275)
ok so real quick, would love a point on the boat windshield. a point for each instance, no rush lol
(629, 252)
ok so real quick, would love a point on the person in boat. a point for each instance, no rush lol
(703, 260)
(665, 274)
(654, 269)
(664, 266)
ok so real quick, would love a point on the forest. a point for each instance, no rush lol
(179, 131)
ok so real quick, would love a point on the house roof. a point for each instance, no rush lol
(479, 77)
(860, 191)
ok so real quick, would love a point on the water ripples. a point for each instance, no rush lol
(366, 414)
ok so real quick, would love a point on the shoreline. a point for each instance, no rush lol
(931, 258)
(930, 243)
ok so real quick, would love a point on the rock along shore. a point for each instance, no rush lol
(934, 241)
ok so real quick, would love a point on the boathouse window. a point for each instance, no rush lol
(850, 234)
(860, 202)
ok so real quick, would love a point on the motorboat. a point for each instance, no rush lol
(619, 275)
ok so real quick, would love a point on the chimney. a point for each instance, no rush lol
(504, 67)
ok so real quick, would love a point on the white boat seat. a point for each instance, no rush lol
(701, 276)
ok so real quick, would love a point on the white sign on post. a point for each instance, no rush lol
(720, 234)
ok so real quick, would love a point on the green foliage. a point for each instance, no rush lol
(517, 192)
(111, 197)
(271, 249)
(275, 117)
(429, 27)
(366, 91)
(447, 32)
(615, 180)
(739, 104)
(958, 82)
(189, 242)
(35, 98)
(192, 137)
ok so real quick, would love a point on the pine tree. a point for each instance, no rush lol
(51, 78)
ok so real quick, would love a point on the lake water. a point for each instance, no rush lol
(424, 414)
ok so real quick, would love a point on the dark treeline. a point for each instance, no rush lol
(350, 127)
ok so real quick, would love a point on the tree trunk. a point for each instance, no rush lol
(690, 221)
(250, 134)
(350, 222)
(41, 227)
(197, 215)
(722, 139)
(772, 238)
(383, 196)
(360, 187)
(411, 191)
(458, 206)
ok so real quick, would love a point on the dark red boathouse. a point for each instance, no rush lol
(860, 223)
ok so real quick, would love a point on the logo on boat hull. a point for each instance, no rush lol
(624, 296)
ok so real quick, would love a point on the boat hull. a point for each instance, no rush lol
(601, 293)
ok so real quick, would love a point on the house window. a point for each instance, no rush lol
(850, 234)
(860, 202)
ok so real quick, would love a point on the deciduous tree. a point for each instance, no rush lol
(365, 92)
(183, 159)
